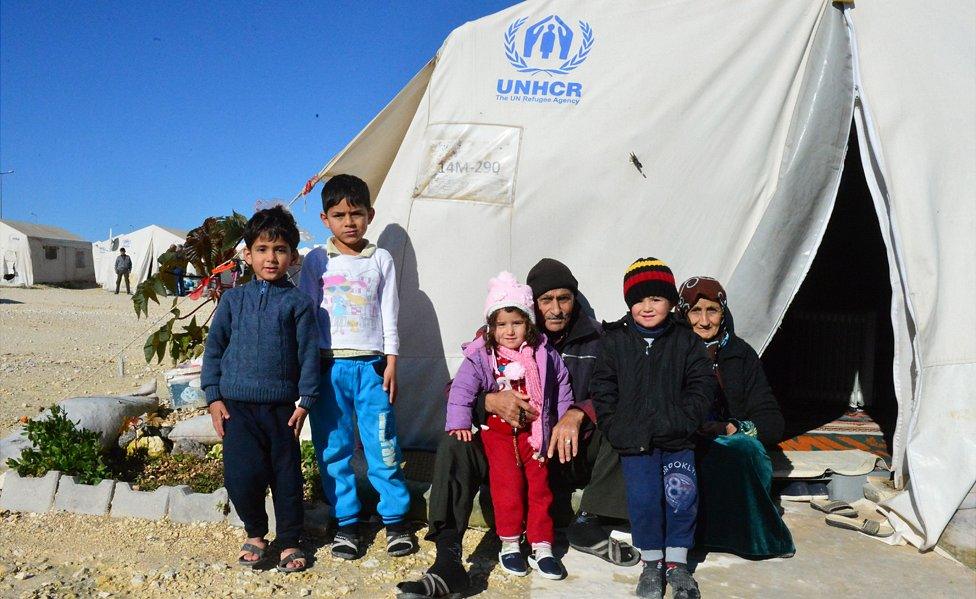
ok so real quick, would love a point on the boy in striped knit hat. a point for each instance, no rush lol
(652, 387)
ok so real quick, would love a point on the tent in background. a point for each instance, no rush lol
(144, 246)
(31, 253)
(711, 134)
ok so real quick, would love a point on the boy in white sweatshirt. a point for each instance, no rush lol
(353, 283)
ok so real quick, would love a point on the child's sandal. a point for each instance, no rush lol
(399, 540)
(252, 548)
(294, 556)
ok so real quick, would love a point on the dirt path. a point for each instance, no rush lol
(55, 343)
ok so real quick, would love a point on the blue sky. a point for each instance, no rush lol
(122, 114)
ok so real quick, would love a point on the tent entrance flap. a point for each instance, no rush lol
(830, 363)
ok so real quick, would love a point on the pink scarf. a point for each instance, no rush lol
(525, 358)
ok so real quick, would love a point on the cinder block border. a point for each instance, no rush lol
(73, 496)
(28, 493)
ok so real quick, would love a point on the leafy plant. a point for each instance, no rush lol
(206, 247)
(311, 478)
(60, 445)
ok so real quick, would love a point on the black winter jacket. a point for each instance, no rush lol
(651, 397)
(747, 392)
(579, 352)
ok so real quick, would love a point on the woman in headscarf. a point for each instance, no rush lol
(736, 512)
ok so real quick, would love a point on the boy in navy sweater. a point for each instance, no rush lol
(261, 356)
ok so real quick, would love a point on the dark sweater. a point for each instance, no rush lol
(262, 346)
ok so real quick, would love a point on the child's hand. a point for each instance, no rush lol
(218, 413)
(461, 434)
(297, 420)
(389, 377)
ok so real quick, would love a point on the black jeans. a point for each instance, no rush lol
(118, 281)
(460, 470)
(260, 450)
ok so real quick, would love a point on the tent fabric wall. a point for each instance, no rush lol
(739, 115)
(144, 246)
(918, 90)
(43, 254)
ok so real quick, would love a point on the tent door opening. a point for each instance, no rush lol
(830, 363)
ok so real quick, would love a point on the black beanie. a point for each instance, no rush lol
(549, 274)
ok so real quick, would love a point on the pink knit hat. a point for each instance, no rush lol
(505, 292)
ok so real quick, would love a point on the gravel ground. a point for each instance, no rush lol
(139, 558)
(57, 343)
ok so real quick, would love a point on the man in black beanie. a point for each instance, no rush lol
(581, 458)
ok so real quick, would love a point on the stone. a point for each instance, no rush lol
(186, 506)
(105, 414)
(151, 505)
(153, 446)
(73, 496)
(199, 428)
(23, 575)
(13, 445)
(127, 437)
(234, 520)
(29, 494)
(147, 389)
(318, 517)
(184, 446)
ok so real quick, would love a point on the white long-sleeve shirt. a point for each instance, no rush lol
(356, 297)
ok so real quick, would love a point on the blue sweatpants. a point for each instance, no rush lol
(662, 498)
(353, 388)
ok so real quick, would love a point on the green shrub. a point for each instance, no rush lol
(60, 445)
(312, 480)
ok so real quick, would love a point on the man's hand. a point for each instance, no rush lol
(565, 436)
(218, 413)
(389, 377)
(461, 434)
(506, 405)
(297, 420)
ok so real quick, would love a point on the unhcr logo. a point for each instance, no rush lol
(545, 47)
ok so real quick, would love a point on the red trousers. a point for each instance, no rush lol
(519, 484)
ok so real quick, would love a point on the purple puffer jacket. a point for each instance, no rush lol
(477, 375)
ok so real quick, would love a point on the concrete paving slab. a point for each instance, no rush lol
(29, 494)
(829, 562)
(73, 496)
(150, 505)
(187, 506)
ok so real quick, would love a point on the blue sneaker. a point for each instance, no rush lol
(513, 563)
(548, 567)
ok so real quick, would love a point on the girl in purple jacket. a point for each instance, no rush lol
(514, 355)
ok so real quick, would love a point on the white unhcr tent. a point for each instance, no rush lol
(32, 253)
(144, 246)
(521, 140)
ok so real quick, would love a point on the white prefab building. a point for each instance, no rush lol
(712, 134)
(143, 246)
(32, 253)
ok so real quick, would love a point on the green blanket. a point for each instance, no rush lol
(736, 512)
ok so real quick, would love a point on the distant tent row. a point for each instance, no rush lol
(144, 246)
(32, 253)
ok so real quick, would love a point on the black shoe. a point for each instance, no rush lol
(650, 585)
(399, 540)
(548, 567)
(513, 563)
(346, 542)
(683, 586)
